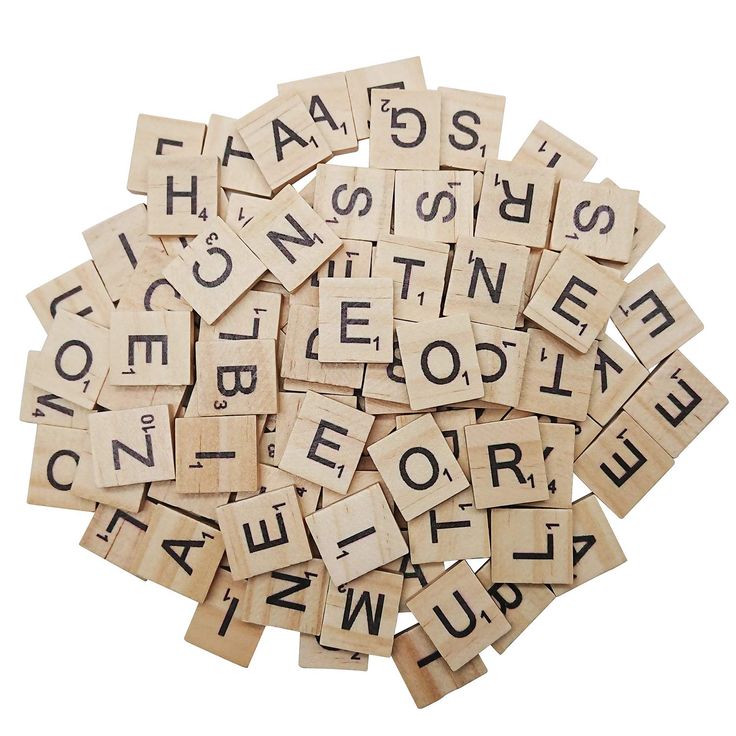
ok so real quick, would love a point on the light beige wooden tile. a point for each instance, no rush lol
(557, 379)
(356, 534)
(676, 403)
(312, 655)
(326, 442)
(355, 202)
(203, 505)
(585, 432)
(292, 598)
(179, 552)
(519, 603)
(405, 129)
(434, 205)
(356, 320)
(506, 462)
(617, 375)
(255, 315)
(214, 271)
(486, 281)
(273, 479)
(285, 141)
(242, 208)
(622, 464)
(183, 193)
(515, 203)
(216, 455)
(547, 147)
(132, 446)
(216, 626)
(501, 356)
(74, 360)
(289, 238)
(361, 615)
(151, 348)
(392, 75)
(440, 370)
(595, 549)
(471, 128)
(654, 318)
(238, 169)
(236, 377)
(417, 269)
(328, 102)
(426, 674)
(531, 545)
(158, 136)
(575, 299)
(558, 448)
(458, 615)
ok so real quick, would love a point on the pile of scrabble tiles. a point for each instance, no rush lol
(311, 408)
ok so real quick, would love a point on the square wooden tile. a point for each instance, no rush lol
(255, 315)
(312, 655)
(558, 448)
(501, 356)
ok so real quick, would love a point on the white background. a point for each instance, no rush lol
(87, 648)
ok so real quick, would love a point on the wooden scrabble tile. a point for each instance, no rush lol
(290, 238)
(117, 535)
(312, 655)
(440, 370)
(203, 505)
(547, 147)
(585, 432)
(238, 169)
(415, 576)
(292, 598)
(355, 202)
(647, 228)
(80, 291)
(214, 271)
(596, 219)
(459, 635)
(151, 348)
(453, 530)
(417, 269)
(271, 479)
(285, 141)
(519, 603)
(401, 74)
(506, 463)
(676, 403)
(361, 615)
(264, 533)
(255, 315)
(434, 205)
(557, 379)
(131, 446)
(471, 128)
(418, 467)
(179, 552)
(356, 320)
(216, 455)
(487, 281)
(236, 377)
(356, 534)
(654, 318)
(622, 464)
(351, 260)
(558, 448)
(501, 356)
(575, 299)
(426, 674)
(531, 545)
(115, 398)
(157, 136)
(116, 245)
(617, 375)
(56, 455)
(41, 407)
(242, 208)
(74, 360)
(326, 442)
(217, 626)
(126, 498)
(328, 102)
(405, 129)
(182, 194)
(515, 203)
(595, 549)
